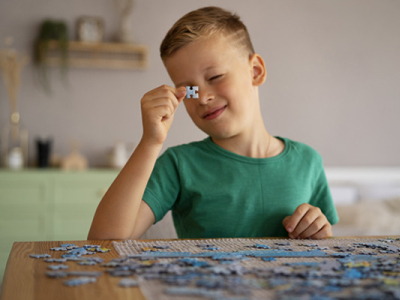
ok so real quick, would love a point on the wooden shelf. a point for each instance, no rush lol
(116, 56)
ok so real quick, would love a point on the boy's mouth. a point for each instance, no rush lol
(214, 113)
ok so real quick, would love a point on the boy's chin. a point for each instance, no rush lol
(219, 135)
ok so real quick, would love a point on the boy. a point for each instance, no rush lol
(238, 182)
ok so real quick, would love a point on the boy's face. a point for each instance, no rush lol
(228, 83)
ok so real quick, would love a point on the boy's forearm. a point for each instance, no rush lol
(117, 212)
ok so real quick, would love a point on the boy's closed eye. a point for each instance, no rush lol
(215, 77)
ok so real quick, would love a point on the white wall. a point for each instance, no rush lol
(333, 76)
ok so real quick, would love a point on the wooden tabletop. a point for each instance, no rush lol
(25, 277)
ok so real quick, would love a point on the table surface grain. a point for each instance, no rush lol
(25, 278)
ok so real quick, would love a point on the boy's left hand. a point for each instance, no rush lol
(307, 221)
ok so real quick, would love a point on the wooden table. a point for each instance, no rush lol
(25, 277)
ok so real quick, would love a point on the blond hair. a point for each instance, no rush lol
(202, 23)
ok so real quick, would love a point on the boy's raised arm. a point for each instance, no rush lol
(117, 216)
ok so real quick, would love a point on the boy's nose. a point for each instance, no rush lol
(205, 96)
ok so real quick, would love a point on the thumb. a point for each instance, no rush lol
(285, 221)
(180, 93)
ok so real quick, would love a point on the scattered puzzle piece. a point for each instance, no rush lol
(59, 260)
(40, 255)
(128, 282)
(79, 281)
(103, 250)
(161, 247)
(57, 267)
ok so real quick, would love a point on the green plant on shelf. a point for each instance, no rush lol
(50, 30)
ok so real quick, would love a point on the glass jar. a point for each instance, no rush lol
(14, 143)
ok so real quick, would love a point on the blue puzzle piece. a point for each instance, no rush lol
(40, 255)
(188, 291)
(58, 248)
(79, 281)
(260, 246)
(211, 248)
(57, 267)
(67, 245)
(191, 92)
(268, 258)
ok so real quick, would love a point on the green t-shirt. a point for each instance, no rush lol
(215, 193)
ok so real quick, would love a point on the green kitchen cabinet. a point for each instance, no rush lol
(44, 205)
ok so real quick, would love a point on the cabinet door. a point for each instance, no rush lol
(23, 211)
(76, 200)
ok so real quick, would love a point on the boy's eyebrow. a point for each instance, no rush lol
(185, 83)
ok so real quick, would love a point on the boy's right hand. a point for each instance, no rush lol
(158, 108)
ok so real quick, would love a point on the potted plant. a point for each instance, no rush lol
(50, 31)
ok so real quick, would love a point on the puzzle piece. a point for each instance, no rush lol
(161, 247)
(40, 255)
(92, 246)
(128, 282)
(79, 281)
(67, 245)
(268, 258)
(191, 92)
(56, 274)
(87, 263)
(103, 250)
(260, 246)
(58, 260)
(211, 248)
(149, 249)
(205, 245)
(84, 273)
(282, 243)
(187, 291)
(58, 248)
(57, 267)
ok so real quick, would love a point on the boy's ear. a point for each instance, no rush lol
(259, 73)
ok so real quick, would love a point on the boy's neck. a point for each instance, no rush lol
(255, 143)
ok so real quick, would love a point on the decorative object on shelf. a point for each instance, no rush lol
(90, 29)
(125, 8)
(15, 159)
(43, 151)
(119, 156)
(14, 138)
(50, 30)
(74, 161)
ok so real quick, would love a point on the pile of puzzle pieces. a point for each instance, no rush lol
(273, 269)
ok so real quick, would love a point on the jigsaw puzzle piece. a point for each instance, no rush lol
(192, 92)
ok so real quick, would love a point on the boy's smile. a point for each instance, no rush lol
(228, 96)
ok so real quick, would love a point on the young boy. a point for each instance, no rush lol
(238, 182)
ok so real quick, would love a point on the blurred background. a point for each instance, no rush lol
(333, 83)
(333, 73)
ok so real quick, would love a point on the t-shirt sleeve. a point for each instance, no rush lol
(322, 198)
(163, 186)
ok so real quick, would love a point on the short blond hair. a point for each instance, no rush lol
(202, 23)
